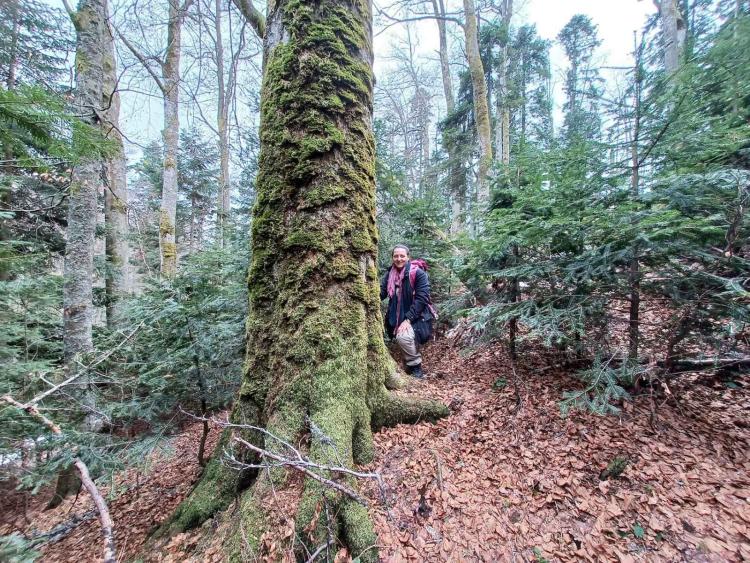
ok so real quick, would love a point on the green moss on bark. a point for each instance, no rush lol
(219, 484)
(243, 543)
(358, 532)
(214, 492)
(316, 361)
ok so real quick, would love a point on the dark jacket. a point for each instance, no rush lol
(414, 306)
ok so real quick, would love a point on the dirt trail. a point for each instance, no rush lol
(490, 483)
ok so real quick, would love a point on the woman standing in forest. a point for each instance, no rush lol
(409, 316)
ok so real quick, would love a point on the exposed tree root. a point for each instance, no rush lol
(317, 370)
(219, 484)
(390, 410)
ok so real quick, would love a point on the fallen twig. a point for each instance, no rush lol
(318, 551)
(101, 506)
(59, 532)
(306, 467)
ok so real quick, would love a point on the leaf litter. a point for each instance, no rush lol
(489, 483)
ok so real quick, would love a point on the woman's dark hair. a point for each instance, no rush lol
(408, 252)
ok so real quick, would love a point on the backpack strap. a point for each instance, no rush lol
(413, 277)
(412, 281)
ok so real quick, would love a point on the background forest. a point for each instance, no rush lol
(598, 213)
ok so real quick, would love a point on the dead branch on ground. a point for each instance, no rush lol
(101, 506)
(296, 460)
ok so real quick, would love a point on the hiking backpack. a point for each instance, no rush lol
(420, 264)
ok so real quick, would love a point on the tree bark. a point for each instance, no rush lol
(253, 16)
(673, 31)
(117, 249)
(7, 166)
(171, 137)
(222, 126)
(316, 360)
(169, 84)
(634, 276)
(502, 127)
(457, 186)
(481, 107)
(10, 82)
(438, 7)
(86, 179)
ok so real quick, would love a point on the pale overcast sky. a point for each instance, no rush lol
(617, 19)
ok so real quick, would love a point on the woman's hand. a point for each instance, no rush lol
(403, 327)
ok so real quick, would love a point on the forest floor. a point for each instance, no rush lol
(492, 482)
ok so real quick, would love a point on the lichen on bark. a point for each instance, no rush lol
(316, 359)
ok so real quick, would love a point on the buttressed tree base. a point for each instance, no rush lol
(316, 357)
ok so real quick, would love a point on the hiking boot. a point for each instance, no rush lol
(416, 371)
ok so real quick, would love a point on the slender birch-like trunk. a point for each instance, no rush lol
(457, 185)
(10, 82)
(634, 276)
(169, 84)
(502, 126)
(223, 203)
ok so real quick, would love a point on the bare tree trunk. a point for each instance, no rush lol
(438, 8)
(481, 108)
(169, 84)
(673, 33)
(118, 281)
(502, 127)
(190, 236)
(7, 167)
(13, 47)
(316, 361)
(424, 137)
(456, 184)
(86, 179)
(222, 125)
(171, 137)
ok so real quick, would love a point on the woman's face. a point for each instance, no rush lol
(400, 257)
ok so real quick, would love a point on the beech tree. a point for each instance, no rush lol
(673, 30)
(166, 75)
(481, 105)
(218, 42)
(117, 249)
(90, 22)
(502, 99)
(316, 360)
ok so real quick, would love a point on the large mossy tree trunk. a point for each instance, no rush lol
(316, 359)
